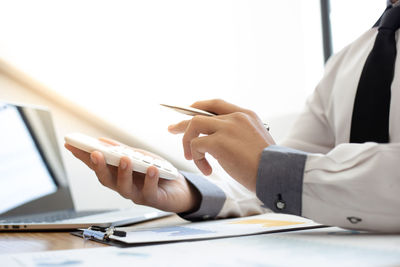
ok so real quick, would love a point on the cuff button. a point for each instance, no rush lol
(280, 204)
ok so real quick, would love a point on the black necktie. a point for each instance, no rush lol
(370, 121)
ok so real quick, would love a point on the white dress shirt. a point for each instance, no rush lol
(344, 183)
(322, 176)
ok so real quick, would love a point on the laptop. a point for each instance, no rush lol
(34, 192)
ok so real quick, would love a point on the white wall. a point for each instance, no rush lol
(119, 59)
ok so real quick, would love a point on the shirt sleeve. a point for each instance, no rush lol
(313, 131)
(354, 186)
(222, 197)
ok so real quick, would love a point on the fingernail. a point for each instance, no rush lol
(123, 165)
(151, 173)
(93, 159)
(171, 127)
(188, 156)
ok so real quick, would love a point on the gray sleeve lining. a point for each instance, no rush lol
(212, 198)
(280, 179)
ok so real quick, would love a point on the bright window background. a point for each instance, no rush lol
(351, 18)
(120, 59)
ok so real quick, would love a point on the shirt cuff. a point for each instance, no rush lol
(280, 179)
(212, 198)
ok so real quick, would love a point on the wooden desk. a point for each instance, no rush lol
(18, 242)
(314, 248)
(41, 241)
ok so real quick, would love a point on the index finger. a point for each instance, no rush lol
(180, 127)
(80, 154)
(217, 106)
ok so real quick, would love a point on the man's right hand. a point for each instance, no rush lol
(236, 137)
(144, 189)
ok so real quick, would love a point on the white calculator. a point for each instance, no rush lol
(113, 154)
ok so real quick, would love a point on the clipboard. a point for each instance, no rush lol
(195, 231)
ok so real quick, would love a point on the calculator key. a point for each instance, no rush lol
(148, 159)
(168, 170)
(159, 163)
(132, 154)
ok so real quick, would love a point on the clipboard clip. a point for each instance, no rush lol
(101, 233)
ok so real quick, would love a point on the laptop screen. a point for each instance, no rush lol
(24, 175)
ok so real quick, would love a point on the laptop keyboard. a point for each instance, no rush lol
(49, 217)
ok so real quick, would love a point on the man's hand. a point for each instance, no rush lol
(236, 138)
(144, 189)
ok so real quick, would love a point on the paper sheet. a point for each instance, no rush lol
(217, 228)
(317, 247)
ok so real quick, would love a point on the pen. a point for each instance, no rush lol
(189, 110)
(194, 111)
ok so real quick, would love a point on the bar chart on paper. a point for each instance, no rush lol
(218, 228)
